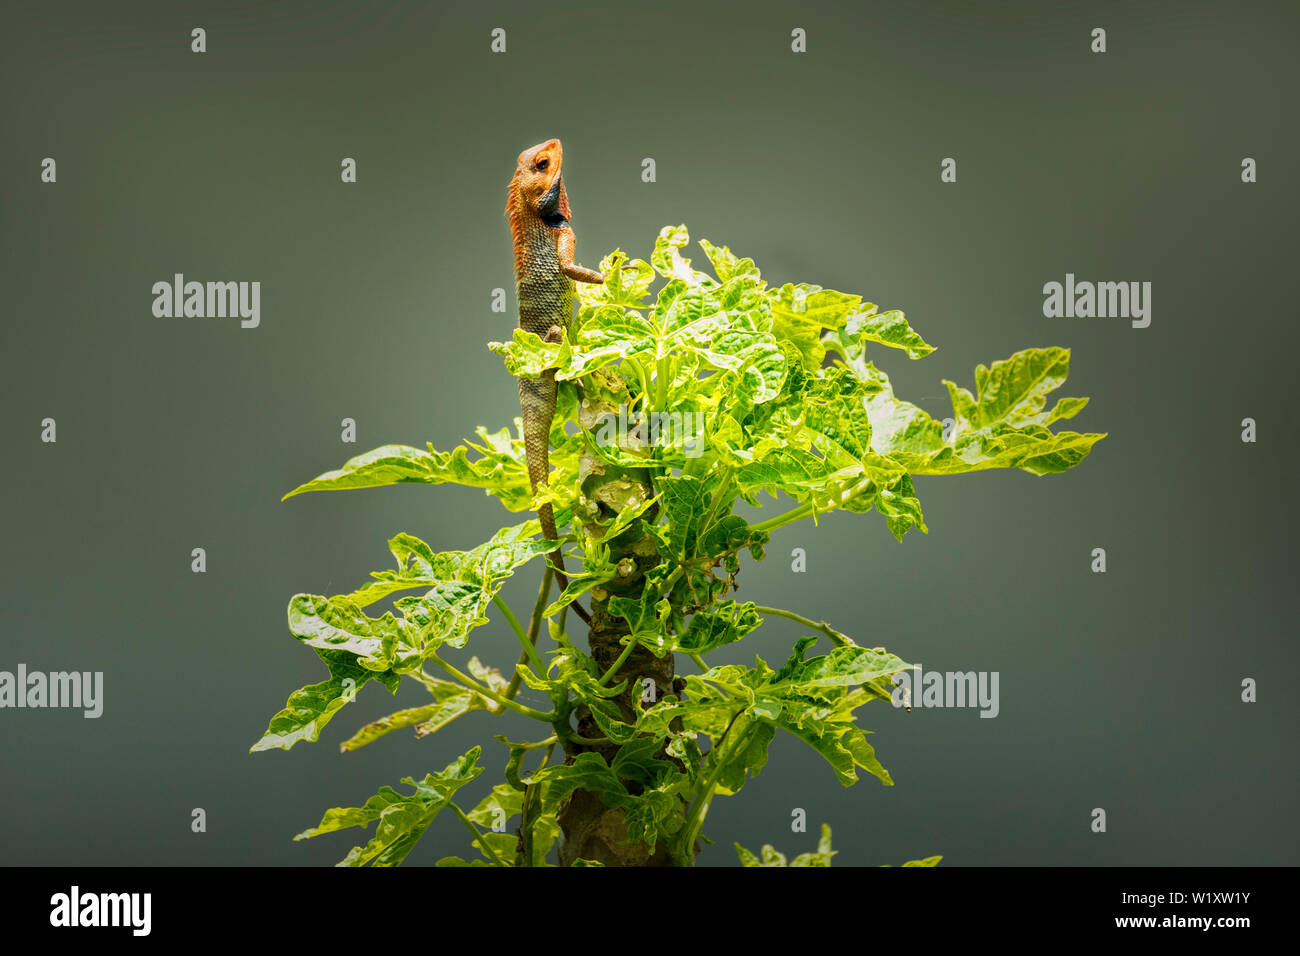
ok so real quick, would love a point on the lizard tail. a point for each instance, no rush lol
(547, 515)
(537, 400)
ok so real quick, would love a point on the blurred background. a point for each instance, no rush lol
(1118, 690)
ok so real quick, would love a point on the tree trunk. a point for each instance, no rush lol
(591, 830)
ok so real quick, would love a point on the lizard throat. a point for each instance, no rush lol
(548, 207)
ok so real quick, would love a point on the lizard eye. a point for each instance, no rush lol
(543, 163)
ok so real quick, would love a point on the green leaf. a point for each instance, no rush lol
(726, 265)
(608, 333)
(802, 312)
(746, 857)
(835, 418)
(842, 667)
(309, 709)
(580, 584)
(527, 355)
(1002, 425)
(901, 508)
(492, 562)
(886, 328)
(667, 258)
(1016, 388)
(812, 699)
(402, 818)
(726, 623)
(746, 760)
(339, 624)
(706, 344)
(575, 677)
(772, 858)
(500, 469)
(654, 813)
(396, 721)
(502, 803)
(638, 760)
(646, 616)
(459, 587)
(450, 701)
(627, 283)
(824, 852)
(684, 500)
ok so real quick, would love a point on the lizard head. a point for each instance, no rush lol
(538, 187)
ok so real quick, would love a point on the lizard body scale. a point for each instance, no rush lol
(538, 210)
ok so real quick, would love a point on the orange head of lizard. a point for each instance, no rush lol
(538, 187)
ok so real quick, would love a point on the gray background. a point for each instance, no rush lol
(1118, 690)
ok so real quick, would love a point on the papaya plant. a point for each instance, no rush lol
(682, 394)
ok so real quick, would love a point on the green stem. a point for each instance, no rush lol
(534, 630)
(841, 639)
(785, 518)
(805, 509)
(700, 808)
(587, 741)
(490, 694)
(622, 659)
(478, 836)
(699, 662)
(525, 826)
(645, 386)
(672, 578)
(529, 651)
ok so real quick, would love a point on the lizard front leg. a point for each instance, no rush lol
(565, 248)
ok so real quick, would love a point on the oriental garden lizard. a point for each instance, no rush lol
(538, 210)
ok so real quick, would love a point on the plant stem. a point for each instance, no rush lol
(677, 572)
(695, 819)
(622, 659)
(576, 738)
(841, 639)
(781, 520)
(807, 508)
(525, 826)
(478, 688)
(478, 836)
(645, 387)
(529, 651)
(534, 630)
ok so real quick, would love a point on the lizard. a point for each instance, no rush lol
(544, 247)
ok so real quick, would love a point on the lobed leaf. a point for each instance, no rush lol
(499, 469)
(402, 818)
